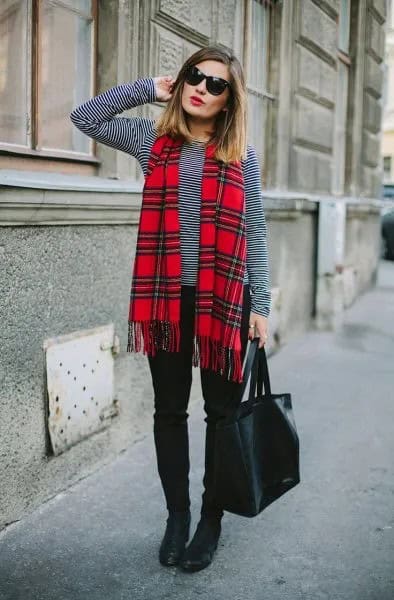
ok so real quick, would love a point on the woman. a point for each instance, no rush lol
(200, 285)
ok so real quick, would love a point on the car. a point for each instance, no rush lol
(387, 229)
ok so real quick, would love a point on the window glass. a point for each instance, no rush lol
(344, 23)
(257, 73)
(258, 64)
(257, 123)
(387, 165)
(66, 74)
(79, 5)
(14, 72)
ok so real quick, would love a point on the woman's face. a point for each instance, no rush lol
(209, 105)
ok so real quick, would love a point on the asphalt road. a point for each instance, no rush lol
(331, 537)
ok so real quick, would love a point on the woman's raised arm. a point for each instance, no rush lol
(97, 117)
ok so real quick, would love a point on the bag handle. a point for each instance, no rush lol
(247, 369)
(258, 376)
(263, 378)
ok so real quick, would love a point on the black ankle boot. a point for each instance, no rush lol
(175, 538)
(199, 553)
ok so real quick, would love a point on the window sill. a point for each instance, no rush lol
(277, 200)
(58, 181)
(39, 198)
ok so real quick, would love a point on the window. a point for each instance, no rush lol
(387, 168)
(344, 24)
(343, 65)
(15, 93)
(390, 14)
(256, 66)
(47, 67)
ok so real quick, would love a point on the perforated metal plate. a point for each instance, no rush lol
(80, 381)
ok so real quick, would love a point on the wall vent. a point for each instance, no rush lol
(80, 384)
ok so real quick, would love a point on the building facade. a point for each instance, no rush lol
(388, 101)
(69, 208)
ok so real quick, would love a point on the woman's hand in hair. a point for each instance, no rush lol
(163, 87)
(258, 328)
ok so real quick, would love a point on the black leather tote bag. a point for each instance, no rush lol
(256, 449)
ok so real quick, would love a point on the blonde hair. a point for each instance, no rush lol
(230, 127)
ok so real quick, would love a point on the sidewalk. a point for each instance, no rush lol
(331, 537)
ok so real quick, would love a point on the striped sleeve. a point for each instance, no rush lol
(97, 118)
(256, 237)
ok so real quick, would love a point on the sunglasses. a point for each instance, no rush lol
(215, 85)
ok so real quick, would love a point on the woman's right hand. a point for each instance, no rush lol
(163, 87)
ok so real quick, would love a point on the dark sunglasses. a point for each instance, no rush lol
(215, 85)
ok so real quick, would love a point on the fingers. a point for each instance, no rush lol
(168, 80)
(261, 332)
(164, 78)
(252, 330)
(257, 329)
(164, 85)
(169, 86)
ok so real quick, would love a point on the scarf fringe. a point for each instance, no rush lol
(211, 354)
(151, 336)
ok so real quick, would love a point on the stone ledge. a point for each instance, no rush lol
(58, 181)
(52, 207)
(304, 198)
(37, 198)
(362, 210)
(40, 198)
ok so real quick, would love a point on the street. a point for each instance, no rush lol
(331, 537)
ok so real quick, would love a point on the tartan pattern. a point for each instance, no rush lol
(154, 312)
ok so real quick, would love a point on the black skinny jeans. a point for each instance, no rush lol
(172, 378)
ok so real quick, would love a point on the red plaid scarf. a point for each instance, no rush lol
(156, 285)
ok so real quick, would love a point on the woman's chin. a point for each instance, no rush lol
(193, 111)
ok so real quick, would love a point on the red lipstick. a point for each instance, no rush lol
(196, 100)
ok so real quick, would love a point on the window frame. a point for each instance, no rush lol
(344, 63)
(387, 161)
(23, 156)
(263, 94)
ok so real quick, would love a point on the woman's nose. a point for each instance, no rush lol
(201, 87)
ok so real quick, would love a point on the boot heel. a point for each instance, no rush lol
(199, 554)
(175, 537)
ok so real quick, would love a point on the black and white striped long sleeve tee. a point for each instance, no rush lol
(136, 135)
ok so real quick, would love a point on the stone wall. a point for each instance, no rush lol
(314, 84)
(67, 242)
(62, 279)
